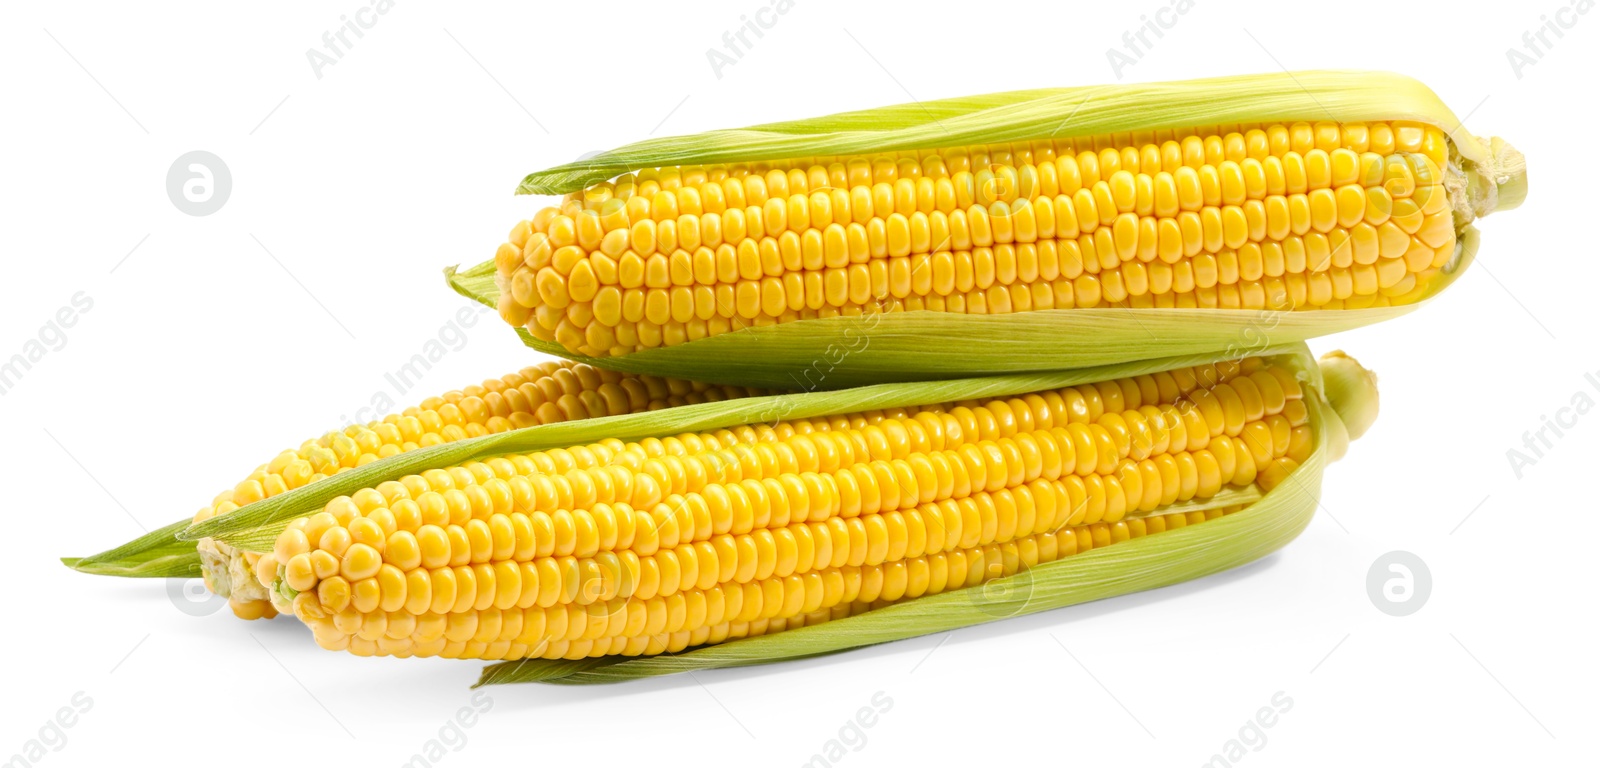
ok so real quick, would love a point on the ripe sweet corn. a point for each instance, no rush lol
(1339, 396)
(1086, 200)
(652, 546)
(749, 529)
(1255, 216)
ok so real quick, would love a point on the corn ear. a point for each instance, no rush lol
(255, 527)
(655, 546)
(811, 348)
(1171, 557)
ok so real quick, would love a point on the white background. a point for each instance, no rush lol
(215, 341)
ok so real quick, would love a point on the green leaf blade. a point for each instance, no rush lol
(157, 554)
(1053, 113)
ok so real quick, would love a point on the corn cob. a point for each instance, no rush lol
(1316, 216)
(1341, 398)
(547, 393)
(1310, 210)
(646, 547)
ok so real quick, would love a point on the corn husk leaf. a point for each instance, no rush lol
(157, 554)
(839, 352)
(255, 527)
(1154, 561)
(1053, 113)
(182, 565)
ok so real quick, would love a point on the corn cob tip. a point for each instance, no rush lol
(1511, 185)
(1496, 183)
(1352, 391)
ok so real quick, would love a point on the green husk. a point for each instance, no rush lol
(1159, 560)
(1052, 113)
(157, 554)
(904, 346)
(147, 565)
(255, 527)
